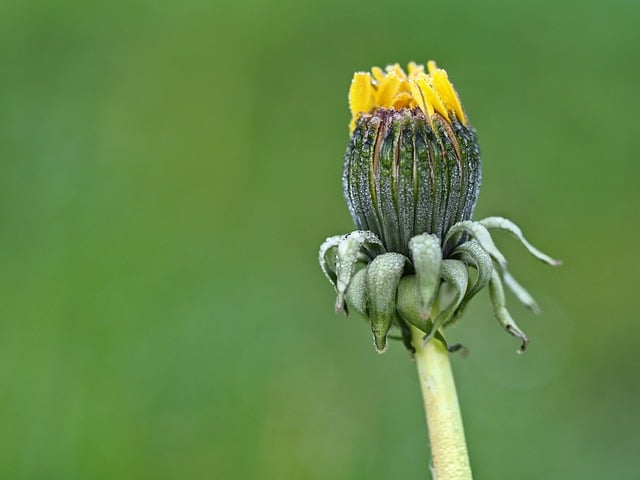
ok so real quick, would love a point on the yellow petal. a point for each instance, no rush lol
(413, 68)
(431, 97)
(445, 90)
(378, 74)
(403, 100)
(387, 90)
(360, 93)
(398, 69)
(360, 96)
(419, 98)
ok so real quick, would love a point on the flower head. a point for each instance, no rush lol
(392, 88)
(413, 162)
(411, 180)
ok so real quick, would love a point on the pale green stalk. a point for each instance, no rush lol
(450, 460)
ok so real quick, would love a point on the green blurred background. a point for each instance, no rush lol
(167, 173)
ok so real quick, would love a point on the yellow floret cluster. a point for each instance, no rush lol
(431, 91)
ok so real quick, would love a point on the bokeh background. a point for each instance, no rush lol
(167, 173)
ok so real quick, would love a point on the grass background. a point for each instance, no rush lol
(167, 173)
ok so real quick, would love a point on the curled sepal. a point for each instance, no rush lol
(519, 291)
(382, 278)
(473, 254)
(408, 303)
(479, 233)
(500, 223)
(427, 258)
(455, 274)
(496, 292)
(328, 268)
(347, 256)
(356, 295)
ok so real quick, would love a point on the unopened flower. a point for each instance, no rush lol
(411, 180)
(413, 163)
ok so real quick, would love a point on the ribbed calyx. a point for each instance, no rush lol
(406, 174)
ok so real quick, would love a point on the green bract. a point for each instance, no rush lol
(405, 175)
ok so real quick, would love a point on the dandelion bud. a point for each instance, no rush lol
(411, 180)
(413, 163)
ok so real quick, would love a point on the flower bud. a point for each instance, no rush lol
(411, 179)
(413, 163)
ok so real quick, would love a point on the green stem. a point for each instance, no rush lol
(446, 433)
